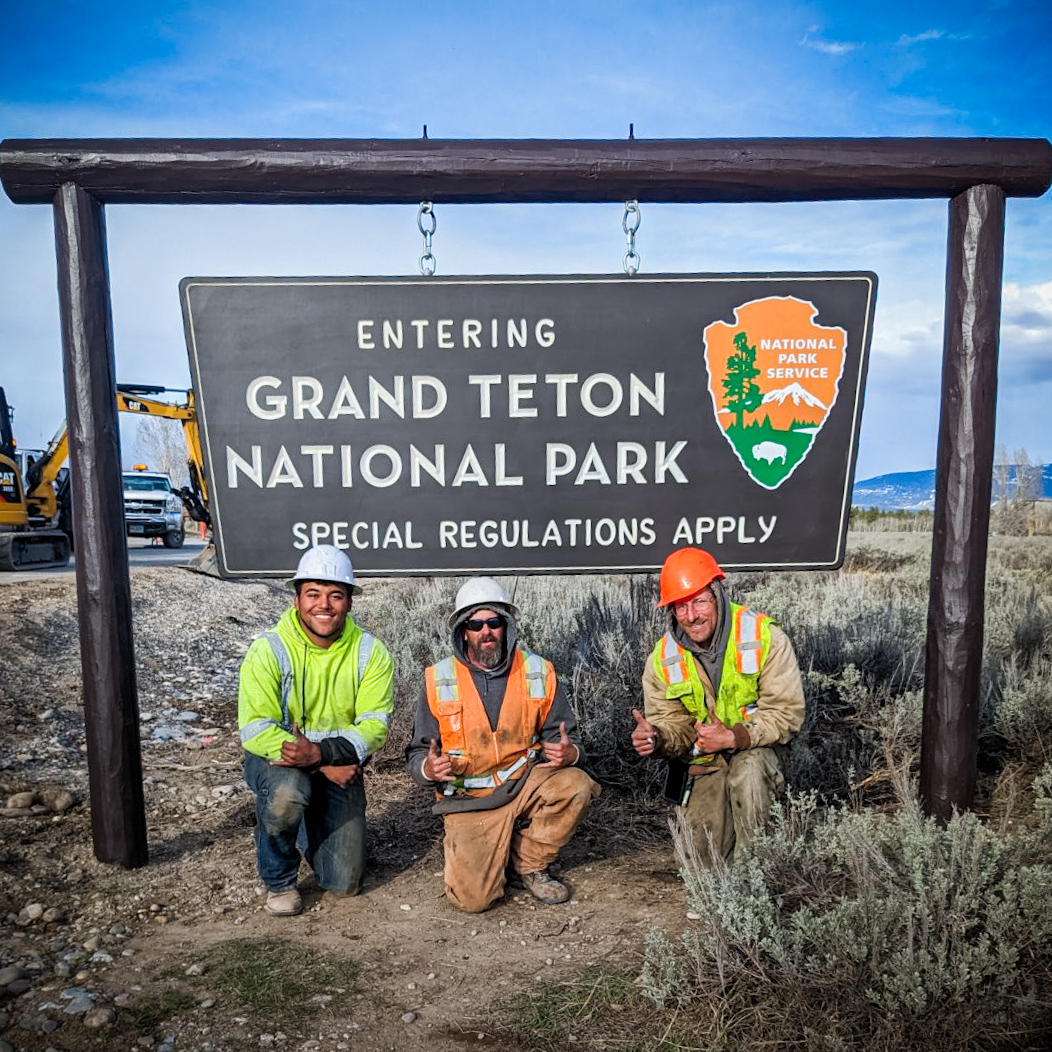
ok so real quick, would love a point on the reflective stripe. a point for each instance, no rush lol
(747, 651)
(365, 652)
(536, 676)
(379, 717)
(446, 680)
(250, 730)
(491, 781)
(335, 732)
(277, 645)
(672, 657)
(361, 746)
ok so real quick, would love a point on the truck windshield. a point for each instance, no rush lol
(144, 483)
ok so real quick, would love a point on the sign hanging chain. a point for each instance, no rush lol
(426, 223)
(630, 224)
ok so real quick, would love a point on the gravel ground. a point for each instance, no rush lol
(86, 949)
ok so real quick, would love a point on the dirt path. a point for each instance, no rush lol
(127, 938)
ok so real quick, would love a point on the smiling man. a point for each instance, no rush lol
(721, 687)
(314, 703)
(496, 739)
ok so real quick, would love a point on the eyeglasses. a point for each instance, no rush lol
(698, 603)
(477, 624)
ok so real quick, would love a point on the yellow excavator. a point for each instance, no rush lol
(33, 510)
(35, 515)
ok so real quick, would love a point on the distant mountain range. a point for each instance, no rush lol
(915, 490)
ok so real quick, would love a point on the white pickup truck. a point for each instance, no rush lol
(152, 507)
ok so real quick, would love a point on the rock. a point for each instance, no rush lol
(22, 799)
(11, 973)
(54, 915)
(197, 969)
(101, 957)
(92, 944)
(49, 1026)
(79, 1005)
(57, 800)
(208, 1002)
(187, 716)
(63, 970)
(5, 1047)
(18, 987)
(33, 911)
(408, 1017)
(100, 1017)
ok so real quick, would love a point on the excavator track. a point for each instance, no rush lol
(34, 550)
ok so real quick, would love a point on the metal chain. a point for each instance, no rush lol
(426, 223)
(630, 224)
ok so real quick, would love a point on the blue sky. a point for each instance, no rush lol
(534, 69)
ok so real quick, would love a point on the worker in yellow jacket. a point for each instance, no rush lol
(314, 703)
(494, 736)
(720, 689)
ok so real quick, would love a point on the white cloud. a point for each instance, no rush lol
(1026, 314)
(829, 47)
(920, 38)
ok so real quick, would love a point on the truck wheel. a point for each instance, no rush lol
(174, 538)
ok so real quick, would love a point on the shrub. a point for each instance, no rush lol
(877, 931)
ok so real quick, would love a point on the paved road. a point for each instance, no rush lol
(140, 553)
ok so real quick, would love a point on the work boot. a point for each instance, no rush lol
(284, 903)
(542, 885)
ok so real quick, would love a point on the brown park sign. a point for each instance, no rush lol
(530, 424)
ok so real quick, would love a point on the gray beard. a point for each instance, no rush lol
(486, 658)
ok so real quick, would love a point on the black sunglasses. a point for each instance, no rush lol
(476, 624)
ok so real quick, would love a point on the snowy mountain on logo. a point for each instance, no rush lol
(799, 395)
(791, 405)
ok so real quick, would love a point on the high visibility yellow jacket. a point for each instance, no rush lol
(338, 696)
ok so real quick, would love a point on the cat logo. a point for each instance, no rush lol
(774, 376)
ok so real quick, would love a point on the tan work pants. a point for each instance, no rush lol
(732, 801)
(480, 844)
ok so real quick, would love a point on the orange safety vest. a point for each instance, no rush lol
(483, 758)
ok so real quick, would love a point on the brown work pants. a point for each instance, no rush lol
(732, 801)
(479, 845)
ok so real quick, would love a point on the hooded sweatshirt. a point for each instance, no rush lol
(344, 712)
(490, 684)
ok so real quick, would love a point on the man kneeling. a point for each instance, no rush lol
(495, 736)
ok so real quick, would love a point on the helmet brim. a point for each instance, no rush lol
(354, 589)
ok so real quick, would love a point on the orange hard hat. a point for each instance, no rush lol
(686, 572)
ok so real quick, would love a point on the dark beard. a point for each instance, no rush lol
(486, 658)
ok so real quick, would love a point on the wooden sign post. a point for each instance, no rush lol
(78, 177)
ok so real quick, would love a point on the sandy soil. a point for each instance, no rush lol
(126, 937)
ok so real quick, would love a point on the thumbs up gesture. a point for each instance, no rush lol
(644, 735)
(300, 752)
(437, 768)
(561, 753)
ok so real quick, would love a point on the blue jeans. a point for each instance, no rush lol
(327, 820)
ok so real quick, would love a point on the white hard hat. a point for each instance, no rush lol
(480, 592)
(325, 563)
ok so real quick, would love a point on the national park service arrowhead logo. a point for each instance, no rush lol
(774, 376)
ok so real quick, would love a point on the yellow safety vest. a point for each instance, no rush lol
(746, 654)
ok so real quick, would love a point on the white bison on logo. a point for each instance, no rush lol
(769, 451)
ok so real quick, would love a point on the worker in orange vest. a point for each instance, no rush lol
(495, 737)
(721, 687)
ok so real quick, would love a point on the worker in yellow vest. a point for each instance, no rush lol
(495, 737)
(721, 687)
